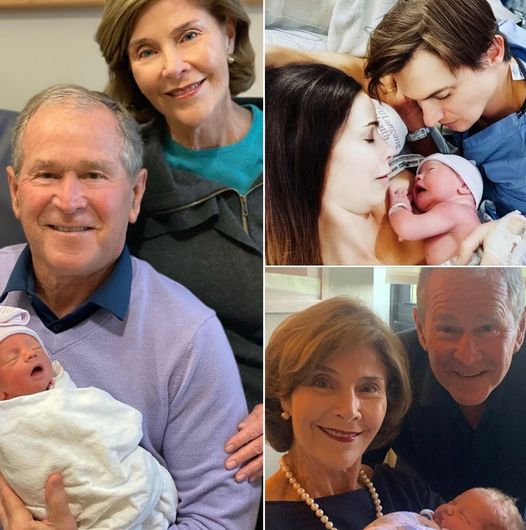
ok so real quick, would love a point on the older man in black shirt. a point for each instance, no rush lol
(467, 424)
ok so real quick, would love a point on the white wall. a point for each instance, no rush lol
(41, 47)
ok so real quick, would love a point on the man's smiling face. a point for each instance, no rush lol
(469, 332)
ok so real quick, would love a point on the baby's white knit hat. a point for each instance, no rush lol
(466, 170)
(13, 320)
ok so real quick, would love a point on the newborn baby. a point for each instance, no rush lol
(446, 192)
(49, 425)
(475, 509)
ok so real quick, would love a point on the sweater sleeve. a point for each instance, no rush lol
(204, 412)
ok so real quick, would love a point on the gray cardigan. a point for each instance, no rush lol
(209, 239)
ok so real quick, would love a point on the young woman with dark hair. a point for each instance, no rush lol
(326, 170)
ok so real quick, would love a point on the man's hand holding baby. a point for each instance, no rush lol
(15, 516)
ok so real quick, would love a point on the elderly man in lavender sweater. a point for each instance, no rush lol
(111, 320)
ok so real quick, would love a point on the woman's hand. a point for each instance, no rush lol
(246, 447)
(409, 110)
(503, 242)
(15, 516)
(473, 241)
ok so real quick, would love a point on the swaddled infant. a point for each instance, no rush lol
(49, 425)
(475, 509)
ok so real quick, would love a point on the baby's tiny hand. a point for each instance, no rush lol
(398, 195)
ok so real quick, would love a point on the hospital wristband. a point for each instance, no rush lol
(401, 162)
(418, 135)
(396, 206)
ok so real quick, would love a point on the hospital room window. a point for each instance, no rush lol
(403, 300)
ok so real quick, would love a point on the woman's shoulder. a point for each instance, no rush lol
(351, 510)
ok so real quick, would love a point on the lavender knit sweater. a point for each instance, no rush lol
(170, 360)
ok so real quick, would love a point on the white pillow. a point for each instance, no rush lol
(298, 39)
(296, 14)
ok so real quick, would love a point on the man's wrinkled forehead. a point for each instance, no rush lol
(466, 287)
(67, 112)
(439, 280)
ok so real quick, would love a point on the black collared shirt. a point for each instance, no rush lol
(113, 295)
(439, 444)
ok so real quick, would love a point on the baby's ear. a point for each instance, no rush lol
(463, 189)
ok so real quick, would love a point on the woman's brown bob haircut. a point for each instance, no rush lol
(458, 32)
(305, 340)
(114, 34)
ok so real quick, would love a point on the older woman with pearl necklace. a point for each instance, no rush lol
(336, 385)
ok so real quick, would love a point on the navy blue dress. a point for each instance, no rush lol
(398, 490)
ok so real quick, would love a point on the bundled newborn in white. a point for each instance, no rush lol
(51, 426)
(405, 521)
(475, 509)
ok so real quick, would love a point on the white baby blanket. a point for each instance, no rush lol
(403, 521)
(93, 440)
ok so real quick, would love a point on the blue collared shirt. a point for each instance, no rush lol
(113, 295)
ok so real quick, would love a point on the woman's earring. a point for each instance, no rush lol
(230, 59)
(285, 415)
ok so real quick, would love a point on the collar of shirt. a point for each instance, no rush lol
(113, 295)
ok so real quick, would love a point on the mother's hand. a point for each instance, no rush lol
(409, 110)
(503, 242)
(15, 516)
(246, 447)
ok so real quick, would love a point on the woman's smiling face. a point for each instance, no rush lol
(359, 162)
(337, 413)
(179, 58)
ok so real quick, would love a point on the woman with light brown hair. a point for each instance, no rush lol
(176, 65)
(337, 384)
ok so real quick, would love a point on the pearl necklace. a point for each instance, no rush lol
(318, 512)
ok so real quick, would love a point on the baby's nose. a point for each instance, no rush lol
(29, 354)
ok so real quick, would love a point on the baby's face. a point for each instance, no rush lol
(470, 511)
(24, 367)
(434, 183)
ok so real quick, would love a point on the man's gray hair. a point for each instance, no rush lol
(80, 98)
(512, 276)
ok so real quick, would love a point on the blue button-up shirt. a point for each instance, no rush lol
(113, 295)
